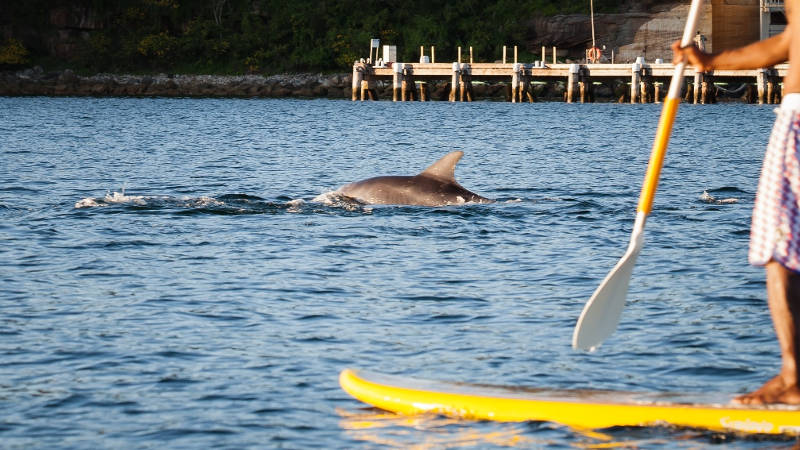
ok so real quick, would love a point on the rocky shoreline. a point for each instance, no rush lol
(38, 82)
(33, 82)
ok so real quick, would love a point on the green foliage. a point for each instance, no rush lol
(159, 46)
(13, 53)
(271, 36)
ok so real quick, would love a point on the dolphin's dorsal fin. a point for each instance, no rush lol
(446, 167)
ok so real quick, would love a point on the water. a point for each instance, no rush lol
(167, 280)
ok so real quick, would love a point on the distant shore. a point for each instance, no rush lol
(38, 82)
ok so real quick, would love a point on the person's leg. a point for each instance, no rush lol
(783, 296)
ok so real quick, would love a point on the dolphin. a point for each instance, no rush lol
(434, 186)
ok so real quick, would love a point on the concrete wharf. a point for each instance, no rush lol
(648, 81)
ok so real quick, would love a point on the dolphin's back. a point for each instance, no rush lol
(435, 186)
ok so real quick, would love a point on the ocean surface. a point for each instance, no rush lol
(171, 278)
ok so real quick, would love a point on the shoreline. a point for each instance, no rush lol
(38, 82)
(35, 82)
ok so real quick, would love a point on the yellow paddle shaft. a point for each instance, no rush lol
(668, 113)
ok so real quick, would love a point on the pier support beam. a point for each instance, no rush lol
(698, 80)
(585, 85)
(515, 83)
(409, 85)
(454, 83)
(465, 83)
(636, 78)
(646, 87)
(572, 81)
(773, 86)
(358, 77)
(526, 86)
(363, 85)
(397, 75)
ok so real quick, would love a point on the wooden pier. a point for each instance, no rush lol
(648, 82)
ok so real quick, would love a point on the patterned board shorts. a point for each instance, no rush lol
(775, 230)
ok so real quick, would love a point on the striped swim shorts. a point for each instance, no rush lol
(775, 229)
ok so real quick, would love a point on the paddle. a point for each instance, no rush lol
(602, 312)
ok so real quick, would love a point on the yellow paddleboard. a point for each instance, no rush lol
(581, 409)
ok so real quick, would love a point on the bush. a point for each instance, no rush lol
(158, 46)
(13, 53)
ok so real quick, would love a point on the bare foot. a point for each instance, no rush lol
(775, 390)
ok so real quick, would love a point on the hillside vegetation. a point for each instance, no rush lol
(258, 36)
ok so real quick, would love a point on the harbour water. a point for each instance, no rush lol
(167, 279)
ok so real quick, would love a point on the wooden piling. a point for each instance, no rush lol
(423, 92)
(704, 93)
(358, 75)
(761, 85)
(454, 82)
(773, 86)
(572, 81)
(515, 83)
(770, 91)
(643, 97)
(698, 85)
(584, 85)
(751, 96)
(462, 86)
(405, 93)
(528, 88)
(778, 91)
(646, 86)
(408, 76)
(397, 74)
(466, 84)
(636, 78)
(504, 54)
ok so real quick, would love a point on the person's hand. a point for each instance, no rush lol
(698, 59)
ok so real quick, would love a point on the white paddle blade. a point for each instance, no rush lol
(602, 312)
